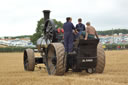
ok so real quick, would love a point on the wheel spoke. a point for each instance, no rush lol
(48, 23)
(53, 70)
(26, 61)
(26, 66)
(48, 27)
(50, 66)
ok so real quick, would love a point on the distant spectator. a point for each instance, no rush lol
(118, 47)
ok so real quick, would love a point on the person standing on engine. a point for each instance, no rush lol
(90, 32)
(68, 35)
(80, 27)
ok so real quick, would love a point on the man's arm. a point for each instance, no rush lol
(74, 29)
(96, 35)
(84, 27)
(86, 31)
(63, 26)
(76, 26)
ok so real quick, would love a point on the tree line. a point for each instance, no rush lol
(110, 32)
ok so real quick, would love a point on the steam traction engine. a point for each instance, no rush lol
(89, 54)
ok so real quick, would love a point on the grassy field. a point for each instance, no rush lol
(12, 72)
(2, 46)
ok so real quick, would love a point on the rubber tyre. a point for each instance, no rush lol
(29, 60)
(100, 59)
(57, 50)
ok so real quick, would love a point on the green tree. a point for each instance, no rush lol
(109, 32)
(39, 28)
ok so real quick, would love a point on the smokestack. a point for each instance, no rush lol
(46, 15)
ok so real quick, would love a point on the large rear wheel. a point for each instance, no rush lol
(100, 59)
(56, 60)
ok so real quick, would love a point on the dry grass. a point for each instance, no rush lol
(3, 46)
(12, 72)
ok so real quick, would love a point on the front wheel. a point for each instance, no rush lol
(29, 60)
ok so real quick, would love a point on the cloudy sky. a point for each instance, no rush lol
(19, 17)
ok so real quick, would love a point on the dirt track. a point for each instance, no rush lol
(12, 72)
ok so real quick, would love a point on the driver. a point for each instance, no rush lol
(68, 35)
